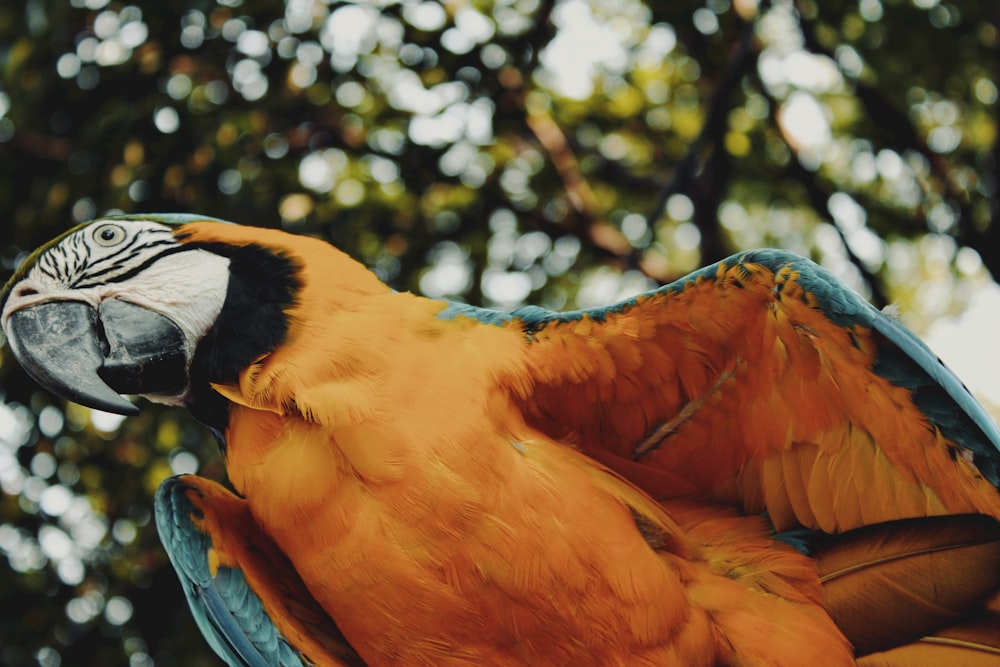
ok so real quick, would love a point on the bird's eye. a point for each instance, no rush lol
(109, 235)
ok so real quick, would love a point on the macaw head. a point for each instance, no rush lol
(115, 306)
(169, 306)
(163, 306)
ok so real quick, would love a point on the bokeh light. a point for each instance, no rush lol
(506, 152)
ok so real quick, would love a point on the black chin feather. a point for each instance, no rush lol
(253, 322)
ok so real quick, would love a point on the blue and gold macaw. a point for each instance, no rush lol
(749, 466)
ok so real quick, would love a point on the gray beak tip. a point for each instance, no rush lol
(58, 346)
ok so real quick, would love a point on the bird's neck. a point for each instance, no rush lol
(385, 384)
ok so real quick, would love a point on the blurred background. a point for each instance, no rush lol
(565, 153)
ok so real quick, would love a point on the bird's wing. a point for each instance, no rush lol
(973, 642)
(891, 584)
(764, 381)
(244, 594)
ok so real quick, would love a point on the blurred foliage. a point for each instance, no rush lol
(562, 153)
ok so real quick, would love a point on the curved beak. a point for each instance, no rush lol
(91, 356)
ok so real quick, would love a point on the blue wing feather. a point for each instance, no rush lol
(228, 613)
(939, 393)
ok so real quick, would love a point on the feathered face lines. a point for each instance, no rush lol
(112, 259)
(104, 252)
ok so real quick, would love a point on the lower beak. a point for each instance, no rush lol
(91, 356)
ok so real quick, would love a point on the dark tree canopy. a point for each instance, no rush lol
(519, 151)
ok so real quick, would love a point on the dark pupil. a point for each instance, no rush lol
(108, 234)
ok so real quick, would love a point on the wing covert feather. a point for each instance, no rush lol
(766, 382)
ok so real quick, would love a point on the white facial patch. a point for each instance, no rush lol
(91, 257)
(187, 287)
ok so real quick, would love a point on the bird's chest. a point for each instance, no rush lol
(489, 556)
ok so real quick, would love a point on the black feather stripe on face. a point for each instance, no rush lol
(254, 321)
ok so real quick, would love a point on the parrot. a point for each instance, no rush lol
(749, 466)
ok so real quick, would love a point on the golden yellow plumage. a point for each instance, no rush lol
(452, 486)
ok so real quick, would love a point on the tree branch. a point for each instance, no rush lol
(591, 224)
(708, 138)
(818, 197)
(901, 133)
